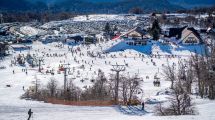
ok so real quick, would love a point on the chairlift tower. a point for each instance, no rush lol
(36, 83)
(117, 69)
(40, 59)
(65, 68)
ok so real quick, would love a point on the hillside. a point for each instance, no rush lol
(117, 7)
(86, 6)
(192, 3)
(101, 6)
(21, 5)
(14, 5)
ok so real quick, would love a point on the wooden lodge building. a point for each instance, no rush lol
(185, 35)
(136, 36)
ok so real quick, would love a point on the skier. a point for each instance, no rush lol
(29, 114)
(143, 105)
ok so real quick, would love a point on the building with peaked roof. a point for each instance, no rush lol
(185, 35)
(136, 36)
(211, 32)
(211, 29)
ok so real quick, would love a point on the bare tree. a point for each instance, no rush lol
(129, 87)
(52, 86)
(186, 74)
(73, 93)
(169, 73)
(180, 102)
(198, 63)
(100, 89)
(134, 84)
(124, 89)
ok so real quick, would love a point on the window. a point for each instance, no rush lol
(191, 40)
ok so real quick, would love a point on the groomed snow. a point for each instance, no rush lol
(13, 108)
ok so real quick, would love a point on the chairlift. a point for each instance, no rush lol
(82, 80)
(92, 80)
(85, 87)
(70, 73)
(213, 68)
(2, 67)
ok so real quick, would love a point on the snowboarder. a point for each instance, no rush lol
(143, 105)
(29, 114)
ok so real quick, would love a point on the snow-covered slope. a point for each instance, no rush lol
(13, 108)
(155, 48)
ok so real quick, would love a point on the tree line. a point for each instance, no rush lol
(193, 77)
(103, 89)
(30, 16)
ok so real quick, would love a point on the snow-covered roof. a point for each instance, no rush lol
(31, 31)
(19, 46)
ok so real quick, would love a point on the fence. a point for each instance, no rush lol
(80, 103)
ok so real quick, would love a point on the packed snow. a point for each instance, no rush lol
(14, 108)
(107, 54)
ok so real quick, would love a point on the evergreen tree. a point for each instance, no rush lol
(3, 49)
(107, 28)
(155, 30)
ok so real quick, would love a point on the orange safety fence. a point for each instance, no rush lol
(80, 103)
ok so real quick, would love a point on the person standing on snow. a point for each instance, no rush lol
(29, 114)
(143, 105)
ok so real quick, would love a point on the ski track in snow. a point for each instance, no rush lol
(13, 108)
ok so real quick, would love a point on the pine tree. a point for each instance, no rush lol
(155, 30)
(107, 28)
